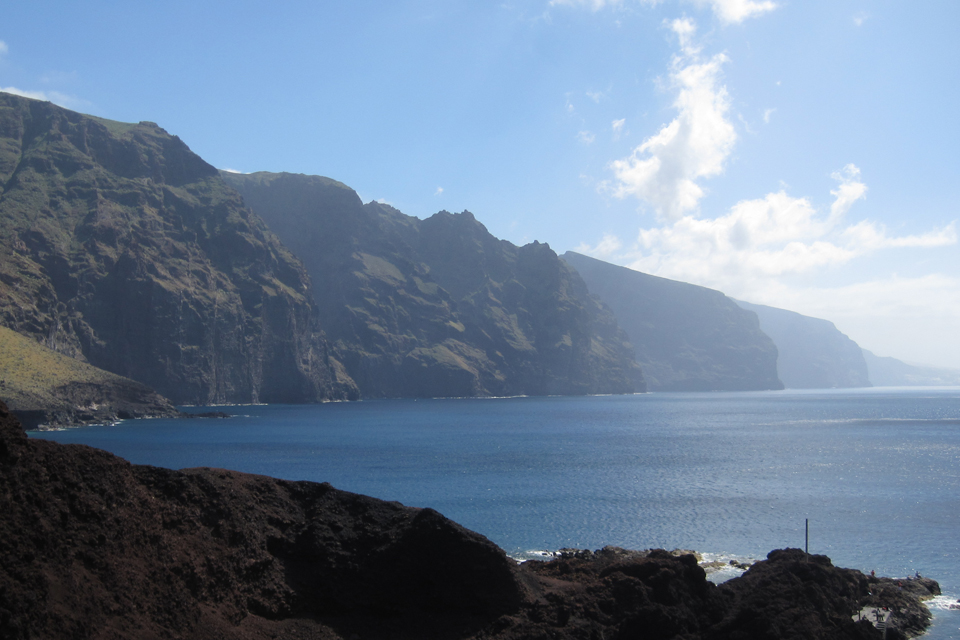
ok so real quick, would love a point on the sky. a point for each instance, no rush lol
(796, 154)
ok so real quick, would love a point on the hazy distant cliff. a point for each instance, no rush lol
(687, 338)
(814, 354)
(120, 246)
(439, 307)
(890, 372)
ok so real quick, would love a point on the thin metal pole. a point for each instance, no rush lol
(806, 546)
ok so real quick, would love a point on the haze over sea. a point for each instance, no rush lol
(876, 471)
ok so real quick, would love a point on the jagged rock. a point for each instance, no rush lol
(94, 547)
(440, 307)
(121, 247)
(687, 338)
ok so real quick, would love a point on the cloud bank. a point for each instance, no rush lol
(663, 171)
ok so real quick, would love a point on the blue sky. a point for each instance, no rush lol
(796, 154)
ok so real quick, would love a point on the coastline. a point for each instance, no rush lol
(95, 543)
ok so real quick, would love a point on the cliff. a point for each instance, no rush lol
(686, 338)
(890, 372)
(814, 354)
(440, 307)
(45, 388)
(121, 247)
(94, 547)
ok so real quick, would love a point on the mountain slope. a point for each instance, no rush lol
(440, 307)
(814, 354)
(120, 246)
(44, 387)
(687, 338)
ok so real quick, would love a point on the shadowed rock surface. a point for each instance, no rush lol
(686, 338)
(94, 547)
(813, 352)
(440, 307)
(45, 388)
(121, 247)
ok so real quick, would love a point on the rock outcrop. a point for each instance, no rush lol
(686, 337)
(813, 353)
(121, 247)
(47, 389)
(440, 307)
(94, 547)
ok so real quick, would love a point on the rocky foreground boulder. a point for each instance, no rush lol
(94, 547)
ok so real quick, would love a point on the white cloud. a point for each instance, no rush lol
(62, 99)
(607, 247)
(234, 171)
(586, 137)
(906, 318)
(3, 48)
(617, 127)
(727, 11)
(595, 96)
(734, 11)
(760, 241)
(860, 18)
(849, 191)
(595, 5)
(766, 115)
(664, 169)
(438, 192)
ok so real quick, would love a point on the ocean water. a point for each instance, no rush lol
(876, 471)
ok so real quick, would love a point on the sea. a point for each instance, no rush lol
(872, 474)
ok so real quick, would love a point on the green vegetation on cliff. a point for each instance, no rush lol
(44, 387)
(120, 246)
(687, 338)
(440, 307)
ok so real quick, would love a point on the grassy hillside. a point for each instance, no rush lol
(45, 387)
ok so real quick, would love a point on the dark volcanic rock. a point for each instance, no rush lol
(120, 246)
(813, 352)
(94, 547)
(440, 307)
(687, 338)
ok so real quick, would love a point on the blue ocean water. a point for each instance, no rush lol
(876, 471)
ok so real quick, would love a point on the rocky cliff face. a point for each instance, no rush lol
(813, 353)
(440, 307)
(48, 389)
(94, 547)
(687, 338)
(122, 247)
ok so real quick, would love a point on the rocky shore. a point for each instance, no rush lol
(94, 547)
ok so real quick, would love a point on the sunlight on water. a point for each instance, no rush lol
(876, 472)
